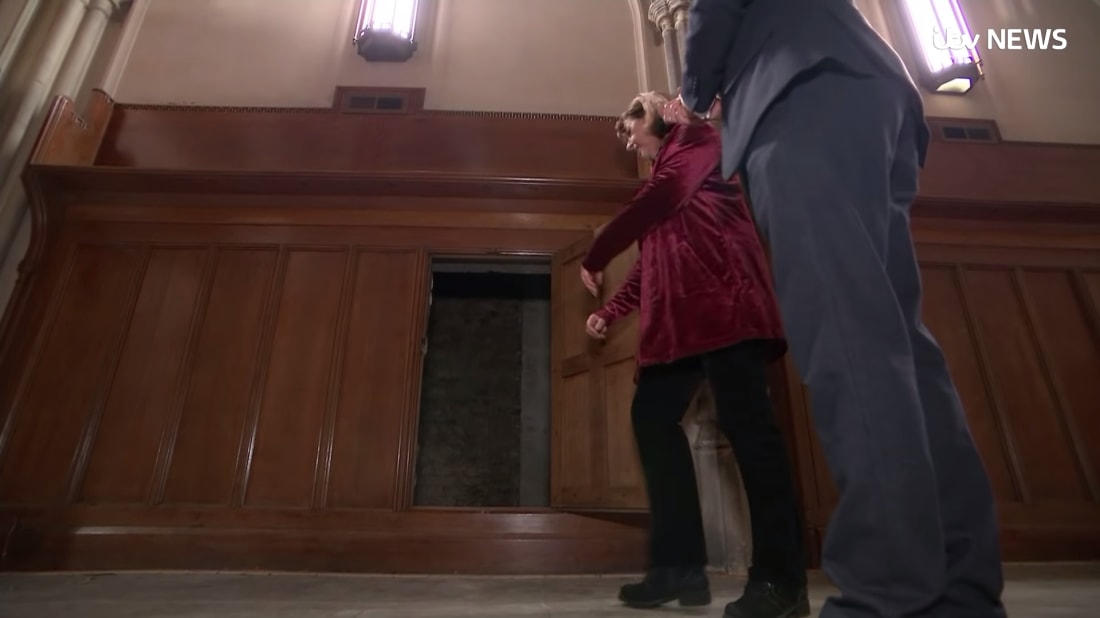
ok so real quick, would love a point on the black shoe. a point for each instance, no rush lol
(765, 600)
(689, 586)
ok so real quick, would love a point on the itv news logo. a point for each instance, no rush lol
(1033, 39)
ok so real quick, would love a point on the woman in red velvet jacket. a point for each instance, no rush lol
(708, 311)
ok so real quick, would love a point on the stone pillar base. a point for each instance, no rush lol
(722, 498)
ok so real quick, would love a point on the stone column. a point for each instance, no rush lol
(640, 25)
(679, 11)
(45, 69)
(662, 18)
(15, 38)
(721, 496)
(18, 137)
(17, 249)
(83, 47)
(135, 16)
(75, 36)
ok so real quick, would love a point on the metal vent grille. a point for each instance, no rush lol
(956, 130)
(378, 104)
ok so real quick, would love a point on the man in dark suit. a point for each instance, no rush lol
(823, 119)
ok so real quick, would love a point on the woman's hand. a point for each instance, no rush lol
(596, 327)
(592, 281)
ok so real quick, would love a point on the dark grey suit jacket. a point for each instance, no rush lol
(749, 51)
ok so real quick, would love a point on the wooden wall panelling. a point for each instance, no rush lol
(23, 330)
(219, 326)
(120, 194)
(138, 431)
(204, 138)
(339, 367)
(578, 464)
(949, 253)
(192, 315)
(594, 462)
(336, 540)
(372, 461)
(278, 139)
(283, 139)
(1019, 329)
(61, 394)
(121, 186)
(68, 138)
(626, 487)
(65, 138)
(1026, 173)
(212, 330)
(231, 390)
(219, 297)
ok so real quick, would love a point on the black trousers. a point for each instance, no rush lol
(737, 376)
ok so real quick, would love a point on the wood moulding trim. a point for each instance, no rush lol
(942, 208)
(405, 471)
(75, 180)
(70, 184)
(421, 541)
(69, 138)
(521, 115)
(190, 109)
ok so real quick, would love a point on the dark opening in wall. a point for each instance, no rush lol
(484, 428)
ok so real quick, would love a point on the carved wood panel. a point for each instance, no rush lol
(269, 376)
(594, 461)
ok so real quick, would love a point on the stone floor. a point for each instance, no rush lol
(1033, 591)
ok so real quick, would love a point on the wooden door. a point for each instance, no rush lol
(594, 462)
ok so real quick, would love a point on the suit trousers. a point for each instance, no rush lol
(831, 172)
(738, 379)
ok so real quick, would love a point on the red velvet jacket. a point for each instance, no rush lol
(701, 280)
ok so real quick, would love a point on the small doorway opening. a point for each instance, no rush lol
(484, 426)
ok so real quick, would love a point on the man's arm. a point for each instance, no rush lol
(678, 176)
(627, 299)
(712, 26)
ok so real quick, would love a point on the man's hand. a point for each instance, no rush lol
(675, 112)
(592, 281)
(596, 327)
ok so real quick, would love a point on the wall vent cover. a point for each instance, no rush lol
(350, 100)
(964, 130)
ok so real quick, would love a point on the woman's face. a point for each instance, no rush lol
(640, 139)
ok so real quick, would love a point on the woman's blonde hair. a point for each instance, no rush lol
(647, 107)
